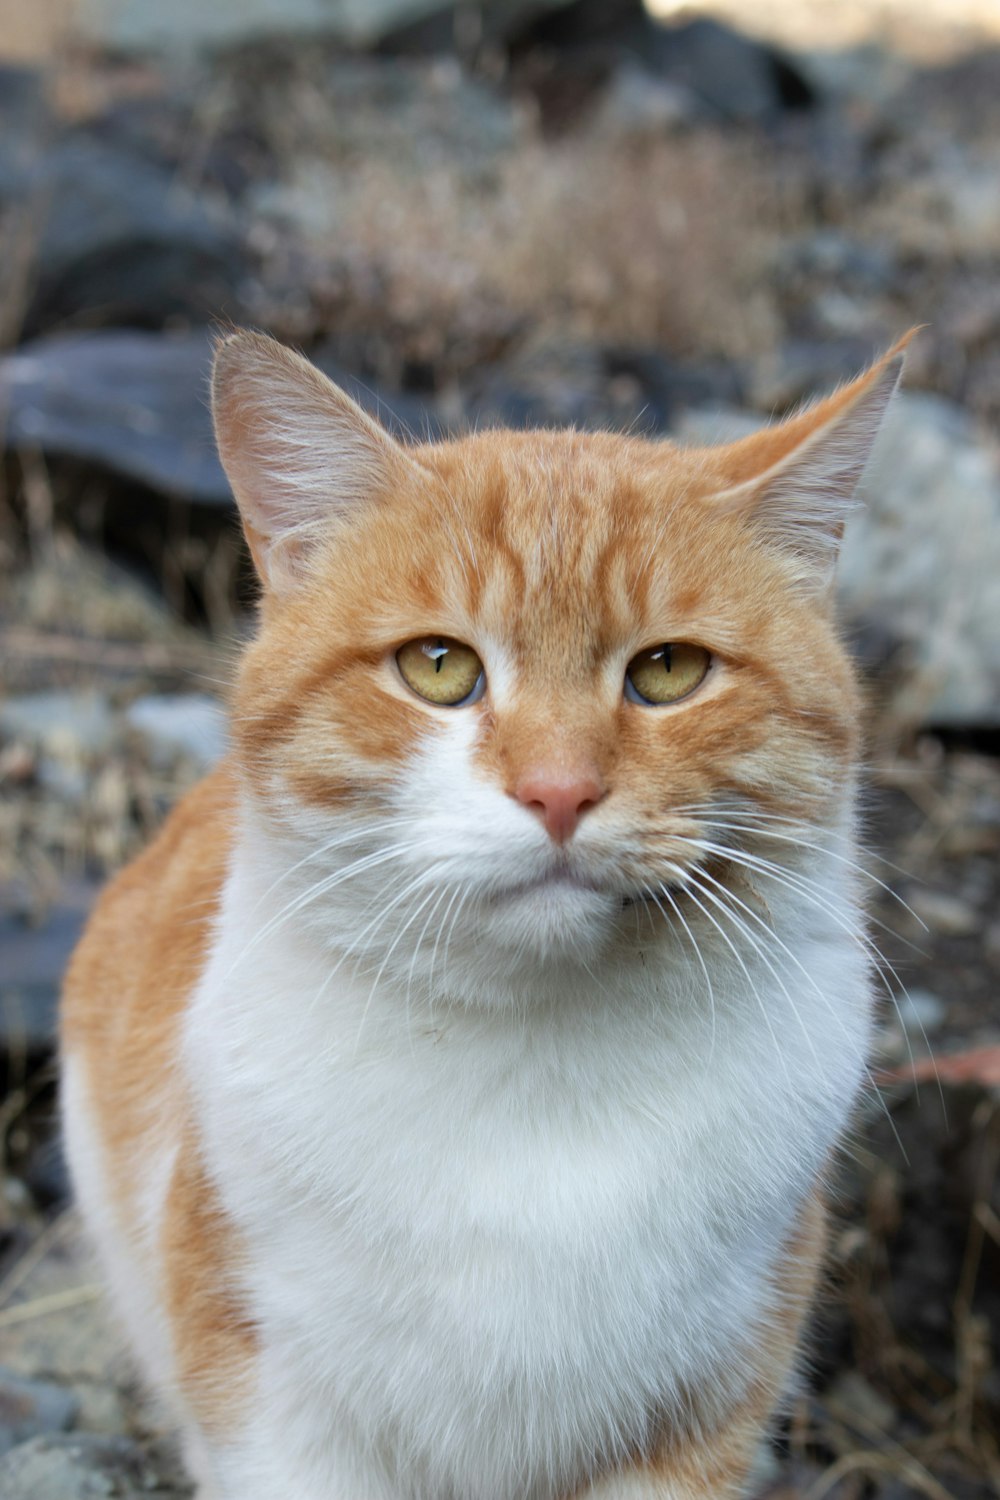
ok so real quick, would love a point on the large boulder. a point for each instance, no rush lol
(921, 561)
(135, 25)
(136, 404)
(116, 238)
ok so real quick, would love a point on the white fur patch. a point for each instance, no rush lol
(496, 1222)
(129, 1257)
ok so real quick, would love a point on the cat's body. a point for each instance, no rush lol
(449, 1088)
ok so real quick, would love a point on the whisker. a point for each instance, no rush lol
(380, 917)
(787, 838)
(796, 881)
(675, 906)
(739, 959)
(437, 937)
(382, 966)
(442, 893)
(356, 835)
(812, 893)
(830, 1008)
(451, 932)
(322, 888)
(741, 926)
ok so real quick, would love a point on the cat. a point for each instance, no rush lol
(449, 1089)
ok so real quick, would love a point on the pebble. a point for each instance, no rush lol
(60, 721)
(191, 724)
(84, 1466)
(921, 1012)
(31, 1407)
(637, 103)
(34, 958)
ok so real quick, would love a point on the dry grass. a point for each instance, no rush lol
(650, 243)
(932, 1422)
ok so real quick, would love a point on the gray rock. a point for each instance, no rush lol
(134, 402)
(547, 382)
(85, 1467)
(137, 404)
(972, 202)
(991, 943)
(733, 75)
(31, 1407)
(921, 1012)
(191, 724)
(118, 236)
(832, 255)
(66, 781)
(922, 560)
(135, 25)
(636, 103)
(873, 74)
(718, 423)
(33, 958)
(426, 112)
(23, 106)
(413, 116)
(798, 368)
(60, 720)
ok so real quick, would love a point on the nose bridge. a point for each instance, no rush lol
(564, 738)
(557, 765)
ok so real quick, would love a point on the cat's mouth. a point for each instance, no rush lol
(562, 881)
(558, 881)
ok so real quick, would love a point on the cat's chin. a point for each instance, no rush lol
(557, 918)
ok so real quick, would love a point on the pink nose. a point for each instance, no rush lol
(560, 802)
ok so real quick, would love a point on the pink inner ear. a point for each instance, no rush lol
(296, 449)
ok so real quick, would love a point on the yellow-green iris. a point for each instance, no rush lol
(664, 674)
(440, 669)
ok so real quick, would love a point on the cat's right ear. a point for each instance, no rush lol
(295, 448)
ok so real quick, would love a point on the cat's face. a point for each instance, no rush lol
(510, 687)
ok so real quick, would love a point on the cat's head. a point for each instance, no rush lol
(520, 685)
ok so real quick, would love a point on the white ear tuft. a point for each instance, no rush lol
(797, 480)
(296, 449)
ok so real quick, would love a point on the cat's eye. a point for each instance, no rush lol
(667, 673)
(442, 670)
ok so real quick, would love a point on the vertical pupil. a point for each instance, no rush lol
(437, 653)
(665, 654)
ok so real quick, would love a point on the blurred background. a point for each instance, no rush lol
(678, 219)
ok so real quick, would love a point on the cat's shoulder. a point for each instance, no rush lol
(150, 928)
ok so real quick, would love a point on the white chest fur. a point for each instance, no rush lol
(484, 1247)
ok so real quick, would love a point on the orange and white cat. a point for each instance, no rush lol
(448, 1090)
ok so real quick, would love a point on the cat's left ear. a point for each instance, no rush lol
(296, 449)
(796, 481)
